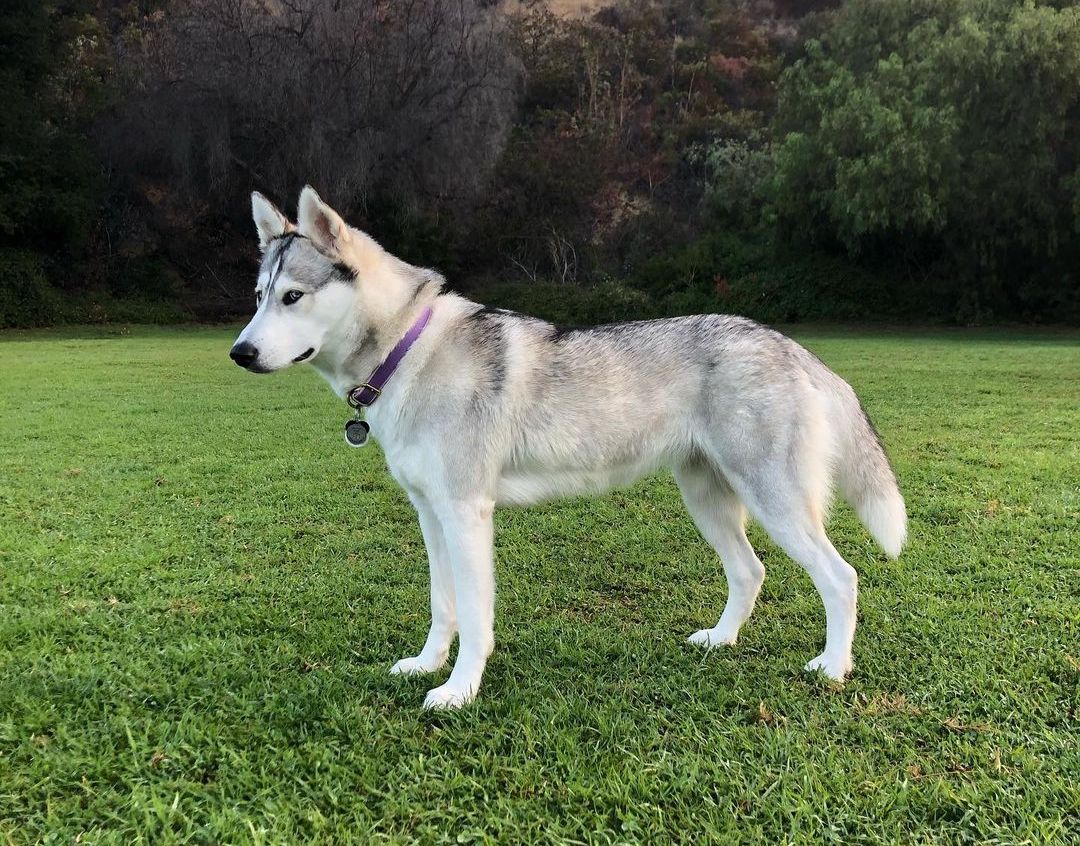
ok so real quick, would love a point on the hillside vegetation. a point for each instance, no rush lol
(789, 160)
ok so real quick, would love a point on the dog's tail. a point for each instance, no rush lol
(867, 480)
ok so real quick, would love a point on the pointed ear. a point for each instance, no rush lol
(321, 223)
(269, 221)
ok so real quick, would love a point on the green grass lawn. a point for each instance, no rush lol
(203, 589)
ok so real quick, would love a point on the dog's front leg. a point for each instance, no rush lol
(469, 534)
(443, 612)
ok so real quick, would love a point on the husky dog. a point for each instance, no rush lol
(489, 407)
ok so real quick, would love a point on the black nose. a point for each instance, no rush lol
(244, 354)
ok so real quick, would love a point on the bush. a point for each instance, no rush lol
(750, 274)
(105, 308)
(26, 297)
(606, 302)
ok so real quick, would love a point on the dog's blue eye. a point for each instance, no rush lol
(291, 297)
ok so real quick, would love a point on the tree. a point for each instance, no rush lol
(51, 69)
(411, 99)
(53, 62)
(600, 171)
(944, 131)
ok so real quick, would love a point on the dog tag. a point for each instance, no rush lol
(356, 433)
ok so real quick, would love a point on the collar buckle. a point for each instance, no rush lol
(357, 399)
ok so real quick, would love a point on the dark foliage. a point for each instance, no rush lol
(942, 137)
(51, 71)
(787, 160)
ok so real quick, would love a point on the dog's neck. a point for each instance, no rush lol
(366, 338)
(375, 344)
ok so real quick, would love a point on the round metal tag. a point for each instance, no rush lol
(356, 433)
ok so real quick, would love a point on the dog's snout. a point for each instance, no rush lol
(244, 353)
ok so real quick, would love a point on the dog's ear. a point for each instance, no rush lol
(321, 223)
(270, 223)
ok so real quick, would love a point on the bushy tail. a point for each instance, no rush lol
(867, 481)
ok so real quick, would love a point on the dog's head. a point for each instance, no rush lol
(306, 291)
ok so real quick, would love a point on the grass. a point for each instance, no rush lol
(203, 589)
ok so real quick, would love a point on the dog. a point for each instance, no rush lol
(486, 407)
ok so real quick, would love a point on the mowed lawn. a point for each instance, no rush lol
(202, 590)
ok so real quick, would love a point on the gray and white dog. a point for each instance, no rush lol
(490, 408)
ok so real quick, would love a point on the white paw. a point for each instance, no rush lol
(712, 637)
(447, 698)
(829, 666)
(416, 665)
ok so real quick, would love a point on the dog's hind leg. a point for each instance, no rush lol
(793, 519)
(835, 580)
(443, 609)
(720, 517)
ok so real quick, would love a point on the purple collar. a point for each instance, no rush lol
(364, 395)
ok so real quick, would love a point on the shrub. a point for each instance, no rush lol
(26, 297)
(606, 302)
(751, 274)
